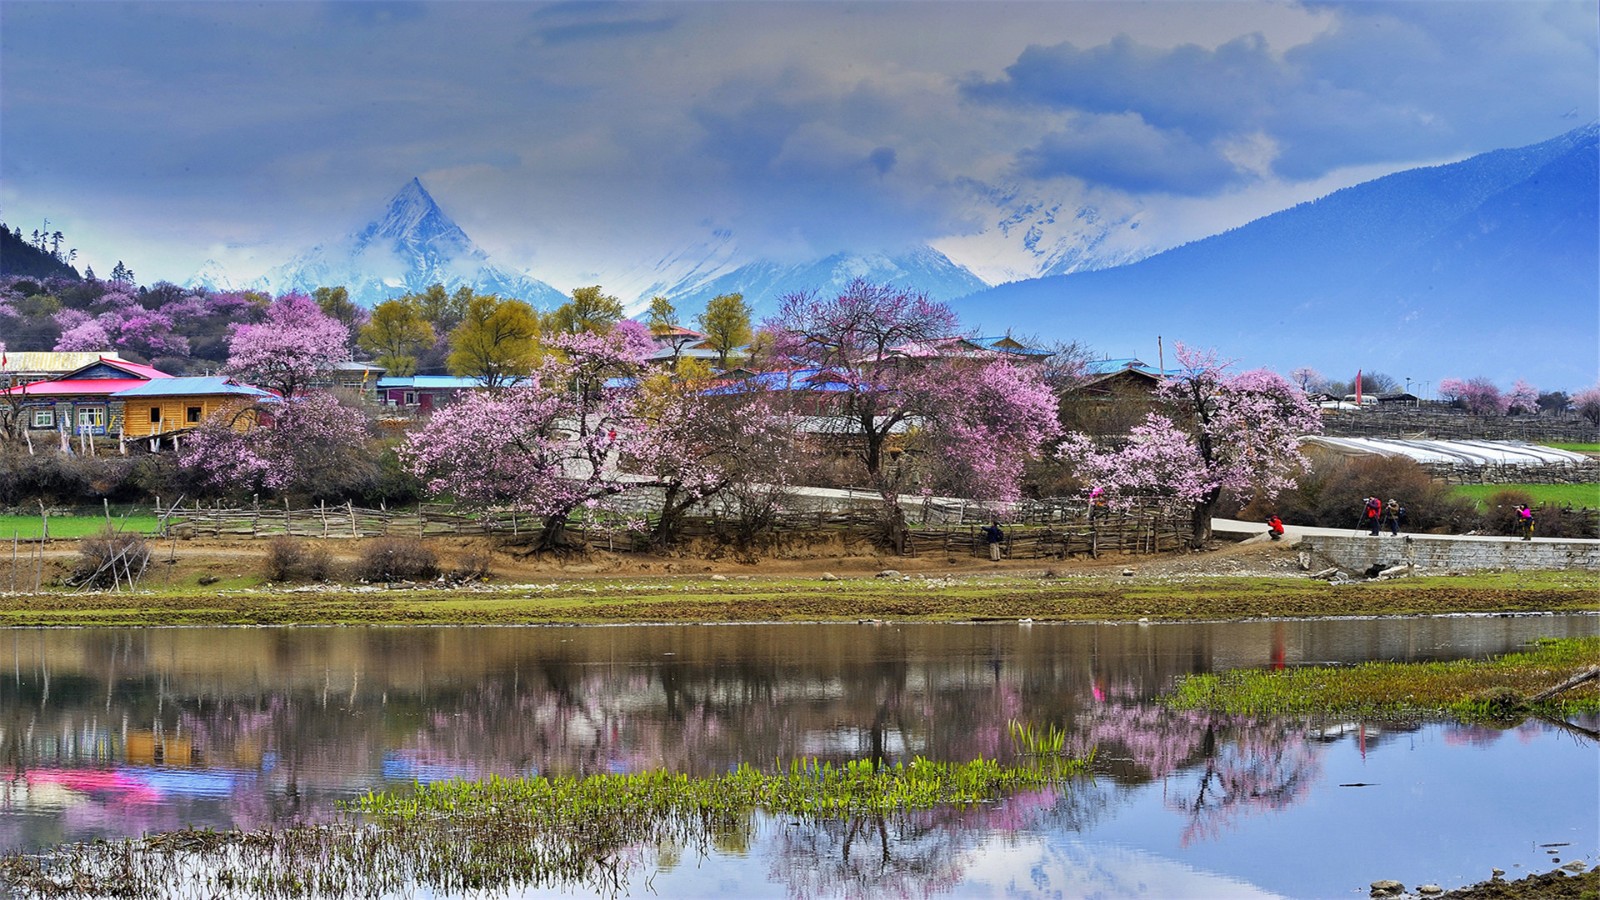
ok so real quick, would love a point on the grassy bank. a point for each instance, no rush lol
(653, 599)
(29, 528)
(1578, 495)
(1471, 689)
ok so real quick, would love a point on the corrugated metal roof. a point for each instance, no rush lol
(193, 386)
(30, 361)
(429, 383)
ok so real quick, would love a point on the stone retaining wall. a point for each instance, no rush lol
(1357, 553)
(1587, 472)
(1441, 422)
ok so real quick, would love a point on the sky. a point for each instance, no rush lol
(577, 140)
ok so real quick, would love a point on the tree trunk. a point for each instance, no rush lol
(554, 534)
(1202, 519)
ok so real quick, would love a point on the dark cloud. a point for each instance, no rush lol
(575, 23)
(1128, 152)
(882, 159)
(1384, 83)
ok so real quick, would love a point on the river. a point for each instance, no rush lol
(119, 732)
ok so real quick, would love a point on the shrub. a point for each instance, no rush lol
(289, 559)
(472, 567)
(397, 559)
(1330, 494)
(110, 559)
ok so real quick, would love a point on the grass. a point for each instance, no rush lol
(30, 527)
(1574, 446)
(503, 834)
(1470, 689)
(1579, 495)
(242, 601)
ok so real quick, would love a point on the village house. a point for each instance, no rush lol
(28, 366)
(422, 393)
(168, 406)
(81, 402)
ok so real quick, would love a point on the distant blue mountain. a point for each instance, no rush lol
(1489, 266)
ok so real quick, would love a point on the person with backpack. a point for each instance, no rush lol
(1372, 512)
(1525, 521)
(1393, 515)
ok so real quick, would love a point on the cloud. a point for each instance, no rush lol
(1382, 82)
(1129, 153)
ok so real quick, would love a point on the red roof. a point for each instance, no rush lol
(67, 386)
(63, 387)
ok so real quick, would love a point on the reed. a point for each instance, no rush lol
(503, 834)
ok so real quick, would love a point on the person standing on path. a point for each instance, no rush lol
(1525, 521)
(1373, 513)
(994, 536)
(1393, 515)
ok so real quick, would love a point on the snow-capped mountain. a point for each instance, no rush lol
(1033, 237)
(683, 272)
(213, 276)
(412, 246)
(764, 282)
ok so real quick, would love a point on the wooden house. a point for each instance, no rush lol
(169, 405)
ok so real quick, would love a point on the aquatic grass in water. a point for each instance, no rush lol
(1470, 689)
(505, 833)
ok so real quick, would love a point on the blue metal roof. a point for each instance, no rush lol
(429, 383)
(193, 386)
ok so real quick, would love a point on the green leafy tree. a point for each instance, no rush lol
(726, 323)
(497, 341)
(588, 310)
(663, 316)
(440, 308)
(335, 303)
(395, 335)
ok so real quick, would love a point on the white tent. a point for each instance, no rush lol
(1499, 453)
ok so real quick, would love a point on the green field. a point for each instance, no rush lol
(1581, 495)
(1574, 447)
(27, 527)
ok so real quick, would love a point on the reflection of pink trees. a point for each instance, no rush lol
(1240, 766)
(1249, 767)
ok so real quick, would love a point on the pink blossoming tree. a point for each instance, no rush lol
(1523, 398)
(308, 446)
(1478, 396)
(294, 344)
(697, 442)
(963, 423)
(1587, 403)
(544, 446)
(1239, 433)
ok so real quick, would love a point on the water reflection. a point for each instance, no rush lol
(113, 732)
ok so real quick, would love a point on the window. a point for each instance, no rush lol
(44, 418)
(91, 417)
(411, 398)
(155, 415)
(192, 415)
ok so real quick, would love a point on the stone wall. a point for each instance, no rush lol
(1587, 472)
(1441, 422)
(1357, 553)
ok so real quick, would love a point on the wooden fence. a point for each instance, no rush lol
(1033, 531)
